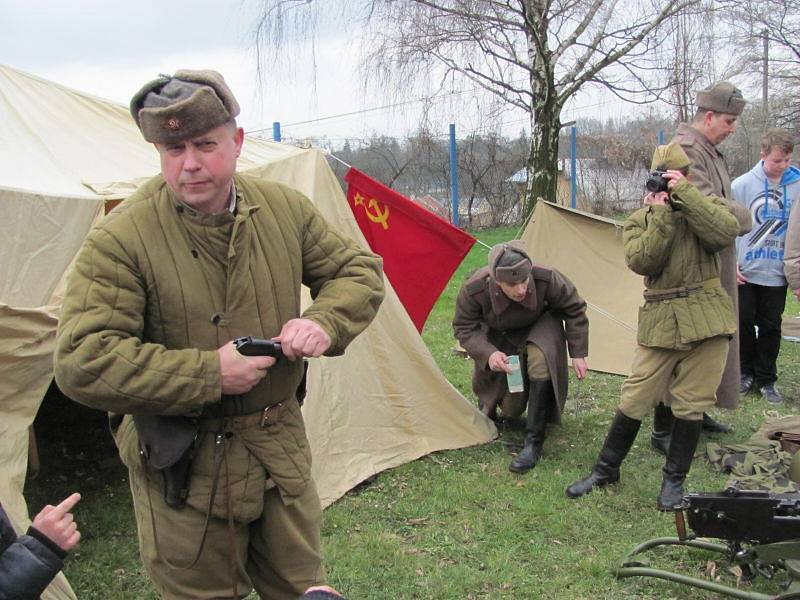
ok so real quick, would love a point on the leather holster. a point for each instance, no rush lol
(167, 444)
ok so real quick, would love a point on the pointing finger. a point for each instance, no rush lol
(66, 505)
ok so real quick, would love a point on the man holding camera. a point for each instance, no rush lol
(197, 257)
(685, 325)
(718, 108)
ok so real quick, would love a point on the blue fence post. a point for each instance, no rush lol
(573, 161)
(276, 131)
(453, 174)
(660, 137)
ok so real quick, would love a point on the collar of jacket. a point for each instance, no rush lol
(699, 138)
(237, 207)
(241, 213)
(501, 302)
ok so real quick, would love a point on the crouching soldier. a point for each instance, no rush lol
(513, 307)
(685, 325)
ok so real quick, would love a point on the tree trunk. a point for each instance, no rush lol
(543, 159)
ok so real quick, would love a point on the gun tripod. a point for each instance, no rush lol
(761, 534)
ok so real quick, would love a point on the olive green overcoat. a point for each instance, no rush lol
(709, 174)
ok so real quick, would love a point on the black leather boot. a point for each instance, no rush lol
(662, 428)
(712, 426)
(679, 459)
(540, 397)
(489, 412)
(619, 440)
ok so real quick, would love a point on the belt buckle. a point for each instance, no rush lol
(265, 415)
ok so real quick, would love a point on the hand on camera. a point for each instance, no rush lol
(656, 199)
(673, 177)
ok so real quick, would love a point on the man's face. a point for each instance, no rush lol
(515, 291)
(200, 170)
(718, 126)
(776, 162)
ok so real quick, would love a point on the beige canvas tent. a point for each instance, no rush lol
(588, 249)
(63, 155)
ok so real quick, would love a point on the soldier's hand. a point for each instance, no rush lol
(580, 367)
(239, 373)
(672, 177)
(497, 362)
(659, 198)
(58, 524)
(303, 337)
(796, 293)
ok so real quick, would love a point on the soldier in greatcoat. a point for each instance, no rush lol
(685, 325)
(515, 307)
(718, 109)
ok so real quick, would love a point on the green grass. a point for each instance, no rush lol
(458, 524)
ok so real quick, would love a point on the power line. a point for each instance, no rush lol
(368, 110)
(487, 127)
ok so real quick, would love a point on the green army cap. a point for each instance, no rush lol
(509, 263)
(671, 156)
(178, 107)
(722, 97)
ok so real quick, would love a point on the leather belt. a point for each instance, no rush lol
(266, 417)
(681, 292)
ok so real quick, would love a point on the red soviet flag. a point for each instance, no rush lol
(420, 250)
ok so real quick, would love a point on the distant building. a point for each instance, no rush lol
(481, 211)
(600, 189)
(563, 192)
(433, 205)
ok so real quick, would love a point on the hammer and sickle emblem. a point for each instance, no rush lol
(173, 124)
(373, 210)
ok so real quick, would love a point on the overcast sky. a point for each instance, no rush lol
(111, 48)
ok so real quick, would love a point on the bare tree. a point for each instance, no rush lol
(486, 165)
(689, 54)
(615, 158)
(776, 22)
(390, 158)
(534, 54)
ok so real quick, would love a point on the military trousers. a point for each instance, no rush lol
(513, 405)
(691, 376)
(271, 544)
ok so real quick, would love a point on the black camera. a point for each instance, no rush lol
(656, 182)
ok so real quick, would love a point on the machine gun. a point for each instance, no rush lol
(761, 531)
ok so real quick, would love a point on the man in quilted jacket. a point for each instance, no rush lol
(685, 325)
(214, 441)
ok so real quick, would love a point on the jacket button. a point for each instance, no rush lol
(216, 318)
(195, 253)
